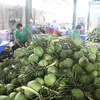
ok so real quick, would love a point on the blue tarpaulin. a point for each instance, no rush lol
(3, 44)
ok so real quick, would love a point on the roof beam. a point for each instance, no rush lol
(68, 1)
(61, 3)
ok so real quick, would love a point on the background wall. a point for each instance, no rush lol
(42, 17)
(4, 16)
(9, 11)
(94, 19)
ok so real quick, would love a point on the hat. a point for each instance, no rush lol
(54, 21)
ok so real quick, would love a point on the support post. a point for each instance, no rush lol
(88, 17)
(28, 13)
(3, 16)
(74, 13)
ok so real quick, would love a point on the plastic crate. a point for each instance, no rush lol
(83, 37)
(3, 44)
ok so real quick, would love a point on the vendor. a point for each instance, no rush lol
(67, 32)
(54, 27)
(34, 29)
(76, 32)
(21, 36)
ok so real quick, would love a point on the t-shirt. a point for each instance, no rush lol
(74, 34)
(54, 26)
(33, 28)
(22, 36)
(68, 32)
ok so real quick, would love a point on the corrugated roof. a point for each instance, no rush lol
(59, 2)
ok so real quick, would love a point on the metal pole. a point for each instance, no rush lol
(34, 16)
(74, 13)
(34, 12)
(28, 13)
(3, 15)
(88, 17)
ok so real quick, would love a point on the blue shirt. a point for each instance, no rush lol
(33, 28)
(67, 32)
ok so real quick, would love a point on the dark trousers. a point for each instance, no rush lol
(16, 46)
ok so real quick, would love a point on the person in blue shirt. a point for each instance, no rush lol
(34, 29)
(68, 31)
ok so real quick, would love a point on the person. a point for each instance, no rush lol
(34, 30)
(12, 36)
(54, 27)
(76, 32)
(82, 23)
(21, 36)
(67, 32)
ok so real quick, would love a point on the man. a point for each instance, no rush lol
(76, 32)
(34, 30)
(54, 27)
(68, 31)
(21, 36)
